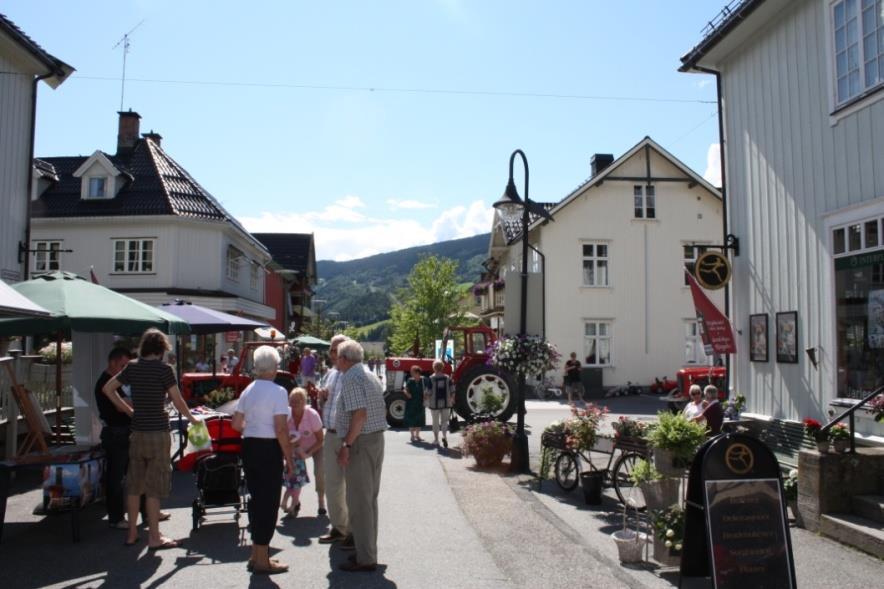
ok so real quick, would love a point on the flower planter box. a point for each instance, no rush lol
(553, 440)
(660, 494)
(666, 556)
(667, 464)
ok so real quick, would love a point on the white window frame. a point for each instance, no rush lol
(842, 234)
(644, 202)
(92, 183)
(234, 258)
(697, 250)
(43, 263)
(861, 8)
(253, 276)
(595, 259)
(145, 260)
(694, 341)
(598, 338)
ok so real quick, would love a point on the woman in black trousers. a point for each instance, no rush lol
(261, 414)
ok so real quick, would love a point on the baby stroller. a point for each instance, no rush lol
(219, 475)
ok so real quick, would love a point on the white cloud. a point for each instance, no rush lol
(713, 165)
(410, 204)
(342, 233)
(704, 82)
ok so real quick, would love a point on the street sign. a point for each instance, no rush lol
(712, 270)
(735, 518)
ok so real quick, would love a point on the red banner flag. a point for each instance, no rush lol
(717, 331)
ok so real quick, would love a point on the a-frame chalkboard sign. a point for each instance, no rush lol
(736, 530)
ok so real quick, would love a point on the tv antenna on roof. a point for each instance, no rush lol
(125, 43)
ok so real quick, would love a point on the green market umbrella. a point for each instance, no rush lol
(77, 304)
(311, 342)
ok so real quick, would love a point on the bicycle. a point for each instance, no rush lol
(569, 462)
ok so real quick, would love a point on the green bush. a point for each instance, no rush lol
(678, 434)
(644, 472)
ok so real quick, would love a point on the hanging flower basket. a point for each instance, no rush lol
(523, 355)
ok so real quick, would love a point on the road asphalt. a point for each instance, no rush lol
(443, 523)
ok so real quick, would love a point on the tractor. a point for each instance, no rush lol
(473, 378)
(195, 385)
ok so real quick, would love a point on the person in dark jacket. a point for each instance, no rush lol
(713, 413)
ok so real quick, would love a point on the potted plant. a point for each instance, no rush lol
(523, 355)
(790, 491)
(630, 430)
(668, 535)
(630, 543)
(734, 407)
(217, 397)
(840, 436)
(488, 442)
(813, 429)
(659, 492)
(581, 432)
(675, 439)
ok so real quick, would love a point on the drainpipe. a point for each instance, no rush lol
(30, 171)
(724, 217)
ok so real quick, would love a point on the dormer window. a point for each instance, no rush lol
(97, 187)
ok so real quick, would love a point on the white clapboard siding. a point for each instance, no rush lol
(16, 88)
(789, 164)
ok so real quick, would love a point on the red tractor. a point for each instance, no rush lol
(469, 370)
(195, 385)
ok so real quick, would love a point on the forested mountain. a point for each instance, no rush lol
(361, 291)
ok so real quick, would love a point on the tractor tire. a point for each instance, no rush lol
(396, 409)
(470, 386)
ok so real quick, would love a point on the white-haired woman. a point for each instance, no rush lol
(261, 414)
(695, 406)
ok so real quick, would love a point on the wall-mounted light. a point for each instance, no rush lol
(811, 355)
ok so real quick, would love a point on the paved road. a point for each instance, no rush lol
(443, 524)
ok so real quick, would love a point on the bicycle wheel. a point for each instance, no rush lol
(627, 492)
(567, 471)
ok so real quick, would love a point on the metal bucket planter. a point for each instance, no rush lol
(667, 464)
(666, 556)
(592, 483)
(822, 446)
(840, 446)
(660, 494)
(630, 545)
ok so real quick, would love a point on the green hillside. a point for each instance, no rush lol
(361, 291)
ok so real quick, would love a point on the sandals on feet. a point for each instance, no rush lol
(165, 545)
(274, 569)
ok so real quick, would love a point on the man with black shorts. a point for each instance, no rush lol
(572, 378)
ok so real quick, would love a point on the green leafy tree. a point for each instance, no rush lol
(430, 303)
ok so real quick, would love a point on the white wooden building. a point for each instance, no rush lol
(23, 64)
(803, 109)
(146, 228)
(608, 282)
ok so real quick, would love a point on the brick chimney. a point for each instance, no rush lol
(155, 137)
(127, 136)
(599, 162)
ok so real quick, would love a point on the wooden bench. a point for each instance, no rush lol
(785, 438)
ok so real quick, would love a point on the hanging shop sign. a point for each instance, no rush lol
(717, 334)
(735, 520)
(712, 270)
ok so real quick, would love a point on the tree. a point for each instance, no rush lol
(429, 304)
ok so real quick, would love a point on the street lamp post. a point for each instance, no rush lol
(510, 205)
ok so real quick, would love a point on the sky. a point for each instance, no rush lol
(377, 125)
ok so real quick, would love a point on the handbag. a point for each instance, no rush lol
(453, 423)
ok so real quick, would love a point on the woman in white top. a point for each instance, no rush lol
(695, 406)
(261, 414)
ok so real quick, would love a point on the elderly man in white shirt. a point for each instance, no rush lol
(335, 483)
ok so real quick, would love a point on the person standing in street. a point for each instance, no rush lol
(114, 439)
(333, 473)
(306, 423)
(439, 397)
(415, 412)
(149, 470)
(261, 415)
(572, 378)
(308, 368)
(360, 423)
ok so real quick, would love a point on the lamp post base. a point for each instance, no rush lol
(519, 460)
